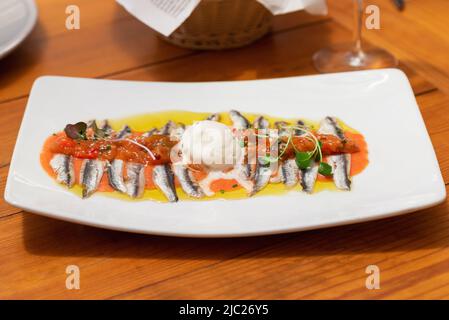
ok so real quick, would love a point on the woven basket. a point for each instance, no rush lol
(222, 24)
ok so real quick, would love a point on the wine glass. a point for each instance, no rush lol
(352, 56)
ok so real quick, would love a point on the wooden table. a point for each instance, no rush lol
(412, 251)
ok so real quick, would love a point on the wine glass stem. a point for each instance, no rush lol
(358, 22)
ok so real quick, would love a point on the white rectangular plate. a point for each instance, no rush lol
(379, 103)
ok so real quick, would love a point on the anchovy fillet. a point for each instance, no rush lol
(62, 165)
(301, 124)
(329, 125)
(277, 176)
(281, 126)
(214, 117)
(90, 176)
(263, 170)
(261, 123)
(149, 133)
(238, 120)
(115, 175)
(177, 132)
(164, 180)
(261, 177)
(135, 182)
(289, 173)
(188, 183)
(308, 177)
(91, 123)
(107, 129)
(245, 170)
(167, 128)
(341, 166)
(341, 163)
(126, 131)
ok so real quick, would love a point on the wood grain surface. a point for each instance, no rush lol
(412, 251)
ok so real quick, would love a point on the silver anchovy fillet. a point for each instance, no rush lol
(107, 129)
(289, 173)
(308, 177)
(163, 178)
(341, 166)
(281, 126)
(182, 172)
(261, 177)
(277, 176)
(341, 163)
(329, 125)
(91, 123)
(114, 170)
(188, 183)
(214, 117)
(126, 131)
(300, 124)
(177, 131)
(135, 182)
(261, 123)
(90, 176)
(263, 169)
(62, 165)
(245, 170)
(238, 120)
(167, 128)
(149, 133)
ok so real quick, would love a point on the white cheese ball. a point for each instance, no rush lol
(211, 144)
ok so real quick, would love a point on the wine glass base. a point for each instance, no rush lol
(343, 57)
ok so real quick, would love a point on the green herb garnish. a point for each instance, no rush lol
(76, 131)
(319, 154)
(222, 191)
(235, 185)
(304, 159)
(325, 169)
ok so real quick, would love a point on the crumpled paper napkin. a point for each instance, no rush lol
(165, 16)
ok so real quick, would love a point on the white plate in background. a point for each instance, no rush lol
(17, 19)
(380, 104)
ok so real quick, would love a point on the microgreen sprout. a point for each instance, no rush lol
(303, 159)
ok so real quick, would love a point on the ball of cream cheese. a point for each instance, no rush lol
(211, 144)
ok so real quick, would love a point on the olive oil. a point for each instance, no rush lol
(146, 122)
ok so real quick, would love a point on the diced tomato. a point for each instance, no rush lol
(86, 153)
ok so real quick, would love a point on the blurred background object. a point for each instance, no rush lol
(222, 25)
(17, 19)
(215, 24)
(353, 56)
(400, 4)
